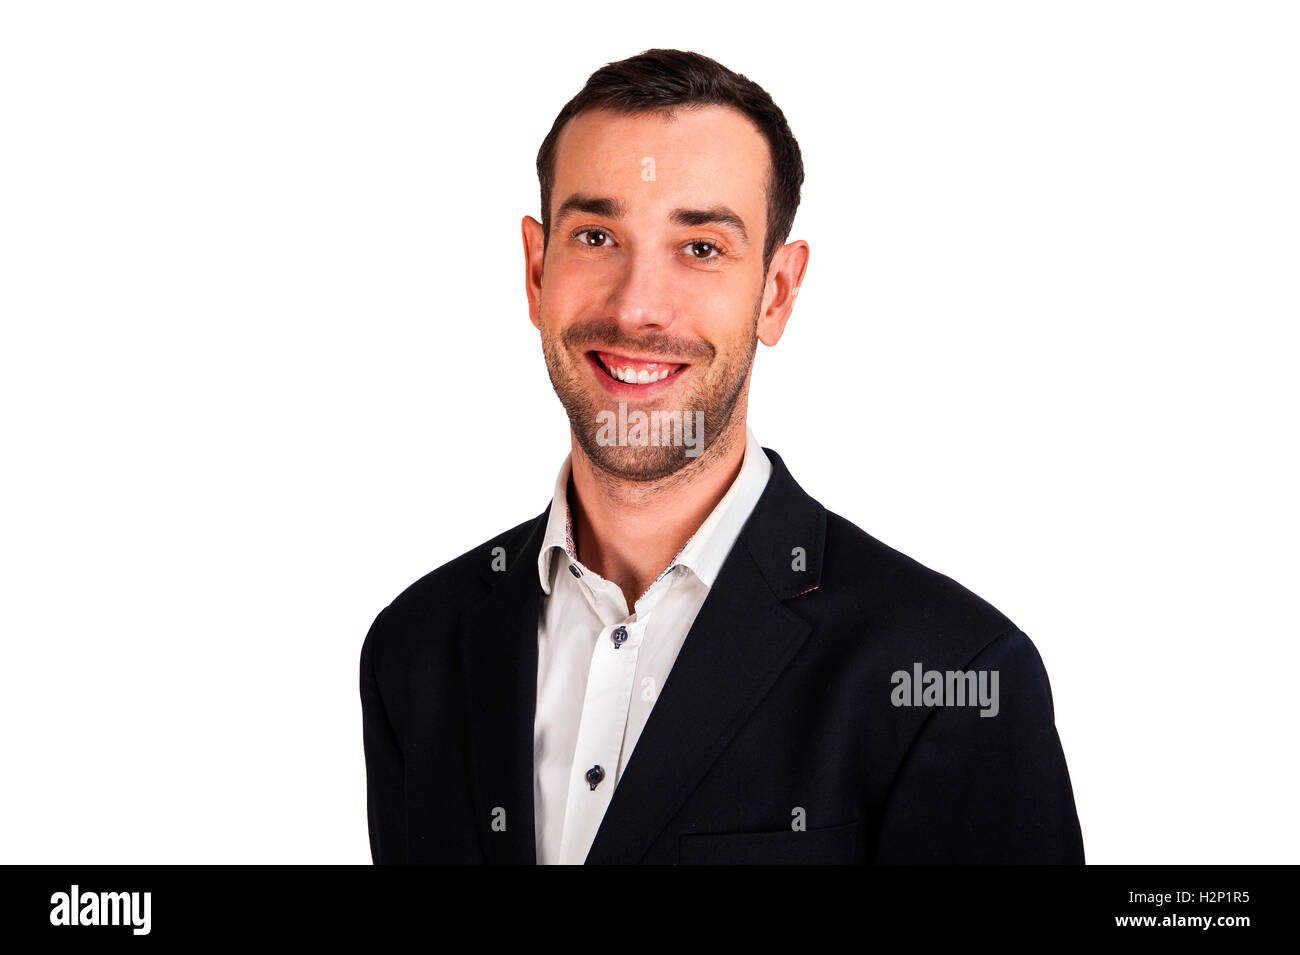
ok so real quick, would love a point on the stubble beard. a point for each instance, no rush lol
(717, 394)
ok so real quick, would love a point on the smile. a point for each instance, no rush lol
(634, 371)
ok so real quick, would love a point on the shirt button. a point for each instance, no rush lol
(575, 571)
(595, 775)
(618, 636)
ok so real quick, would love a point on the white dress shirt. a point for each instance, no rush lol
(600, 668)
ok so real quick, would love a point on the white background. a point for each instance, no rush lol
(266, 360)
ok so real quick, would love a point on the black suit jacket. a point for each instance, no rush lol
(778, 711)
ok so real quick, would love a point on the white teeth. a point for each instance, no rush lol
(642, 377)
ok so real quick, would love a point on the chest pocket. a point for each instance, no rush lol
(837, 845)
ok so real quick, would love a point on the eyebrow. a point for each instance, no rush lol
(607, 208)
(718, 215)
(592, 206)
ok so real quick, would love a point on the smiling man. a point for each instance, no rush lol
(685, 658)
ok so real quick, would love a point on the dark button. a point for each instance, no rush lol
(595, 775)
(575, 571)
(618, 636)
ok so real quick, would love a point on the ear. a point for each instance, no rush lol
(534, 252)
(783, 281)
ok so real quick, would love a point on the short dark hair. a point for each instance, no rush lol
(662, 80)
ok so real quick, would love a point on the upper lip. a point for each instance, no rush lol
(657, 359)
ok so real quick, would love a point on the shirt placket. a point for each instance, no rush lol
(593, 778)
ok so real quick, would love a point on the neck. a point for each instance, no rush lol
(627, 531)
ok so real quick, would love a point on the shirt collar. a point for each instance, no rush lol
(559, 527)
(708, 547)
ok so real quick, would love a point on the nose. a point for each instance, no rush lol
(642, 298)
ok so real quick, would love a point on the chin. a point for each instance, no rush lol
(635, 464)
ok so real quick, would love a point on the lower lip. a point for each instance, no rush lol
(623, 389)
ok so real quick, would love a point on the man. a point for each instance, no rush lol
(686, 658)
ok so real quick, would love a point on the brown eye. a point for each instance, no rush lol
(592, 237)
(705, 250)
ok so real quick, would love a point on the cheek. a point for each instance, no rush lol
(724, 311)
(567, 291)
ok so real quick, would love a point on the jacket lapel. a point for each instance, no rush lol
(742, 639)
(499, 653)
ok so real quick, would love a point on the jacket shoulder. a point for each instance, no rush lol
(439, 596)
(903, 601)
(463, 579)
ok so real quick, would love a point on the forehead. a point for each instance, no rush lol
(701, 155)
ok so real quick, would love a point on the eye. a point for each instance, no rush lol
(703, 249)
(595, 238)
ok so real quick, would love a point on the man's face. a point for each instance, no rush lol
(653, 279)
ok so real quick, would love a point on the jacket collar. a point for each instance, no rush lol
(744, 620)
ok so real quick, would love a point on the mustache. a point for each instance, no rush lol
(608, 336)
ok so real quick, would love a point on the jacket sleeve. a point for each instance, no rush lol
(987, 789)
(385, 768)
